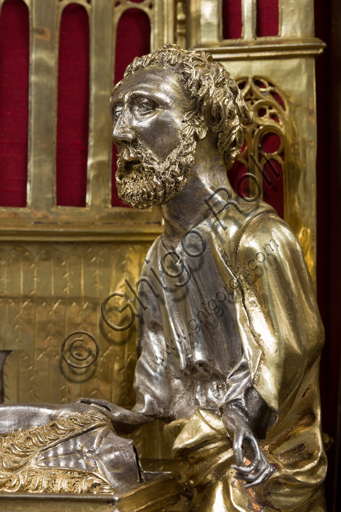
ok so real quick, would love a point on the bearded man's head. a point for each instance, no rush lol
(214, 102)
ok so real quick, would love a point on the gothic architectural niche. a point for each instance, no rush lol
(263, 153)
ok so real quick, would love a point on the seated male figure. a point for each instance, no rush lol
(228, 360)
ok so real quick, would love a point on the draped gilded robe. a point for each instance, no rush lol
(231, 307)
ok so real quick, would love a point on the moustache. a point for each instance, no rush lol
(133, 151)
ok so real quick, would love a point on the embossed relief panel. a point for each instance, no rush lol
(49, 290)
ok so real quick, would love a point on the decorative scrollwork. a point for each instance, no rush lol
(19, 458)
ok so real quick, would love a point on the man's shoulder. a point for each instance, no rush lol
(249, 227)
(152, 255)
(238, 219)
(263, 228)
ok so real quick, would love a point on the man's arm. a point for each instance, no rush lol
(243, 425)
(279, 322)
(280, 327)
(246, 417)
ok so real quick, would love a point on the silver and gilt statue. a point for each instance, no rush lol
(229, 330)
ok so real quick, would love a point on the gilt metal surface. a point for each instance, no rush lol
(50, 290)
(43, 280)
(236, 382)
(156, 495)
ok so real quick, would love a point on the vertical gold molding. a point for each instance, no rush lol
(181, 21)
(101, 73)
(297, 18)
(209, 27)
(193, 26)
(41, 182)
(166, 24)
(249, 19)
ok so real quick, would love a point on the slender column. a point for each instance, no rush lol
(209, 21)
(41, 175)
(99, 158)
(249, 18)
(297, 18)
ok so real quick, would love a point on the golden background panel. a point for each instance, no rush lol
(48, 291)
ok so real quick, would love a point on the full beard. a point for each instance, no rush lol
(146, 181)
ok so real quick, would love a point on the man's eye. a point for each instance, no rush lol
(144, 106)
(115, 113)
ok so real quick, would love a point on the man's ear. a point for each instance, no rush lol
(201, 127)
(195, 123)
(202, 131)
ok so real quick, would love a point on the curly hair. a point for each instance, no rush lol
(212, 92)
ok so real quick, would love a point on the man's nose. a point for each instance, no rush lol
(121, 131)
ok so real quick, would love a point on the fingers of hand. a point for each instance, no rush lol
(101, 408)
(261, 473)
(90, 401)
(95, 401)
(251, 440)
(238, 450)
(263, 477)
(245, 470)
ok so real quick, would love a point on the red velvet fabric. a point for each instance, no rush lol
(14, 80)
(73, 107)
(267, 18)
(232, 19)
(266, 22)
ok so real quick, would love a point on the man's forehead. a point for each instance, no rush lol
(153, 80)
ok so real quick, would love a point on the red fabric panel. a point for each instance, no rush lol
(14, 81)
(73, 107)
(232, 19)
(273, 192)
(272, 184)
(133, 40)
(267, 18)
(235, 176)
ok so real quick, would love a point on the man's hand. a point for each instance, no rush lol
(259, 470)
(109, 408)
(124, 421)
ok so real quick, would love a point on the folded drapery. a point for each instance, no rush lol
(203, 442)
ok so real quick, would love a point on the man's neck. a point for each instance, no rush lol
(187, 208)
